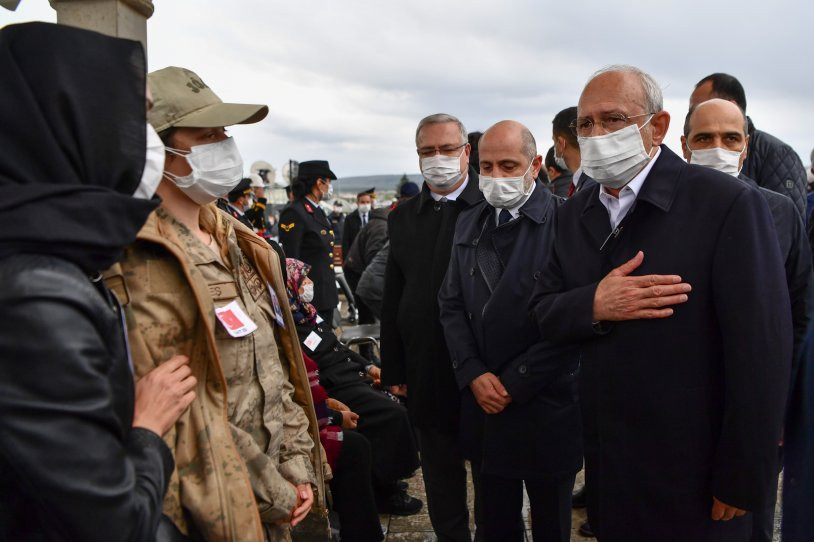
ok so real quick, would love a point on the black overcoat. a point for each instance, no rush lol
(679, 409)
(306, 234)
(413, 348)
(538, 434)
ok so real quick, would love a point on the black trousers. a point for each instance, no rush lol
(352, 489)
(550, 501)
(327, 316)
(444, 470)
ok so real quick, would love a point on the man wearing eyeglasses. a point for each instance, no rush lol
(669, 278)
(415, 359)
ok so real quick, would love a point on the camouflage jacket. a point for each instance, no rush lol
(169, 308)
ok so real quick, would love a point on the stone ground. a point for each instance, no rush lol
(417, 528)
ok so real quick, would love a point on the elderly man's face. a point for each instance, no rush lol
(716, 123)
(501, 154)
(445, 138)
(616, 95)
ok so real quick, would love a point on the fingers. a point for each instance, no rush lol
(498, 387)
(724, 512)
(629, 266)
(174, 363)
(306, 496)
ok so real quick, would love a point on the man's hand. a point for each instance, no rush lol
(621, 297)
(305, 499)
(724, 512)
(375, 374)
(399, 389)
(490, 393)
(163, 395)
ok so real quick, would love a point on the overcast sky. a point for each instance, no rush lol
(347, 81)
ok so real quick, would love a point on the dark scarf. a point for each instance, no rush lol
(72, 143)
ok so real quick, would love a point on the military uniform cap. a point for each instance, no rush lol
(181, 99)
(315, 169)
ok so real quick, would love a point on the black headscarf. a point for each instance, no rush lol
(72, 143)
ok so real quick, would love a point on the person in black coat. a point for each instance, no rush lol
(81, 453)
(715, 135)
(415, 359)
(347, 377)
(518, 397)
(769, 161)
(679, 307)
(306, 232)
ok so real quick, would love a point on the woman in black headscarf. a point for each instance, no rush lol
(81, 457)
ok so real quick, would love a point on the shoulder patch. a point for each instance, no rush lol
(287, 227)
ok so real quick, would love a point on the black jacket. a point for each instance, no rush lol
(538, 434)
(561, 185)
(414, 351)
(775, 165)
(371, 284)
(368, 242)
(350, 229)
(306, 234)
(679, 409)
(71, 465)
(791, 235)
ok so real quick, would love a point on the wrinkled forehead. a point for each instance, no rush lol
(612, 92)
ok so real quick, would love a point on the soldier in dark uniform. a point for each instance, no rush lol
(306, 233)
(237, 202)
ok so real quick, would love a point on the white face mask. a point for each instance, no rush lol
(216, 169)
(505, 192)
(442, 171)
(559, 160)
(614, 159)
(723, 160)
(364, 208)
(307, 294)
(153, 166)
(249, 204)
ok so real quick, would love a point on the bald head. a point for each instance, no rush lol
(506, 149)
(715, 123)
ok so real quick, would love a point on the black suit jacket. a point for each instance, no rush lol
(679, 409)
(413, 348)
(306, 234)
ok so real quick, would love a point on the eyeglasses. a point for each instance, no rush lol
(584, 127)
(446, 150)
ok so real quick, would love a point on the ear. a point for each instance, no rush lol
(684, 149)
(536, 164)
(660, 123)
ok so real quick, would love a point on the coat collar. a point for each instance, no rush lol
(537, 208)
(469, 197)
(659, 188)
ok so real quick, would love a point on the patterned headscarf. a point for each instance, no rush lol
(304, 313)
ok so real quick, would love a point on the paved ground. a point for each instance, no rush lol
(417, 528)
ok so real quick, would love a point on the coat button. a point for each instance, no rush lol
(347, 359)
(331, 266)
(472, 272)
(475, 242)
(522, 369)
(469, 315)
(536, 275)
(454, 363)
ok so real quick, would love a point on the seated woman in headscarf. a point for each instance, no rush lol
(81, 453)
(347, 377)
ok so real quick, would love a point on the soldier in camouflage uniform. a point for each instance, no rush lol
(199, 282)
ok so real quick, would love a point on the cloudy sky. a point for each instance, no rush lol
(347, 81)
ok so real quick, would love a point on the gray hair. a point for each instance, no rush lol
(654, 101)
(440, 118)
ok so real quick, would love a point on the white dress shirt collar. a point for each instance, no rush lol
(619, 207)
